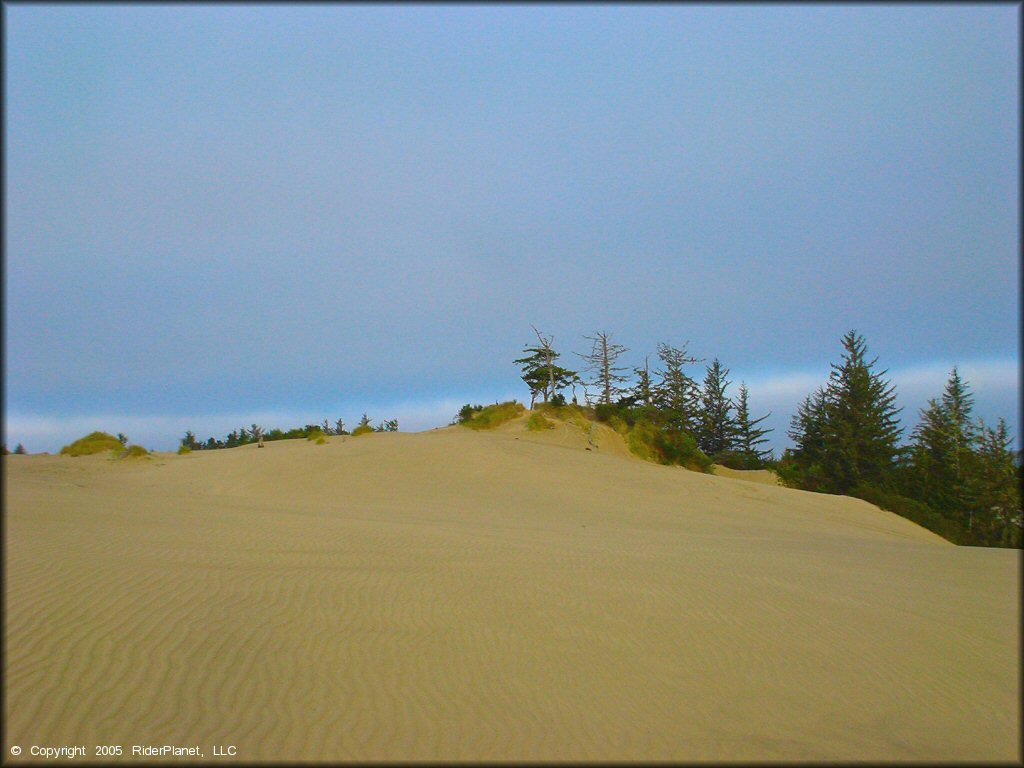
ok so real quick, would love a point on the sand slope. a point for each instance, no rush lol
(453, 595)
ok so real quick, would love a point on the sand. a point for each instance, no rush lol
(453, 595)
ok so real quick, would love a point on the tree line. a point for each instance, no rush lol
(956, 475)
(257, 434)
(684, 418)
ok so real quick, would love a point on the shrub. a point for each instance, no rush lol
(135, 451)
(183, 450)
(316, 434)
(362, 429)
(466, 413)
(537, 422)
(494, 415)
(321, 440)
(913, 510)
(94, 442)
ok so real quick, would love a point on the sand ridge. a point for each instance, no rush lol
(506, 595)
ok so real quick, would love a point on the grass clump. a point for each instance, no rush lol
(538, 421)
(135, 451)
(362, 429)
(183, 450)
(94, 442)
(317, 436)
(494, 415)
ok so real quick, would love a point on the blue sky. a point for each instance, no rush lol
(227, 213)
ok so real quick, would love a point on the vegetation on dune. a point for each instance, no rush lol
(364, 427)
(537, 422)
(479, 417)
(94, 442)
(99, 442)
(317, 433)
(956, 477)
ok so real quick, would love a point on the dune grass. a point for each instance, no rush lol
(317, 436)
(538, 421)
(135, 452)
(362, 429)
(495, 415)
(94, 442)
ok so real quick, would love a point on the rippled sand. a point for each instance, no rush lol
(453, 595)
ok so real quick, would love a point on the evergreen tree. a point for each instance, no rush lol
(862, 425)
(676, 395)
(604, 354)
(807, 431)
(540, 372)
(992, 493)
(19, 449)
(642, 393)
(748, 436)
(716, 430)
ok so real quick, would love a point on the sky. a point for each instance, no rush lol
(225, 214)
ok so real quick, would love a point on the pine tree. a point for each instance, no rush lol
(716, 430)
(642, 393)
(807, 429)
(540, 372)
(19, 449)
(992, 492)
(748, 437)
(861, 426)
(941, 452)
(604, 354)
(676, 394)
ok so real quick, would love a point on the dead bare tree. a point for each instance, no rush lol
(604, 353)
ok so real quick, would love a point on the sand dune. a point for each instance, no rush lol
(453, 595)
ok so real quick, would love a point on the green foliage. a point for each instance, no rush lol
(466, 413)
(572, 413)
(321, 440)
(19, 450)
(912, 509)
(748, 437)
(537, 422)
(847, 431)
(676, 394)
(362, 429)
(316, 434)
(135, 452)
(716, 426)
(651, 434)
(182, 450)
(956, 478)
(94, 442)
(495, 415)
(540, 372)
